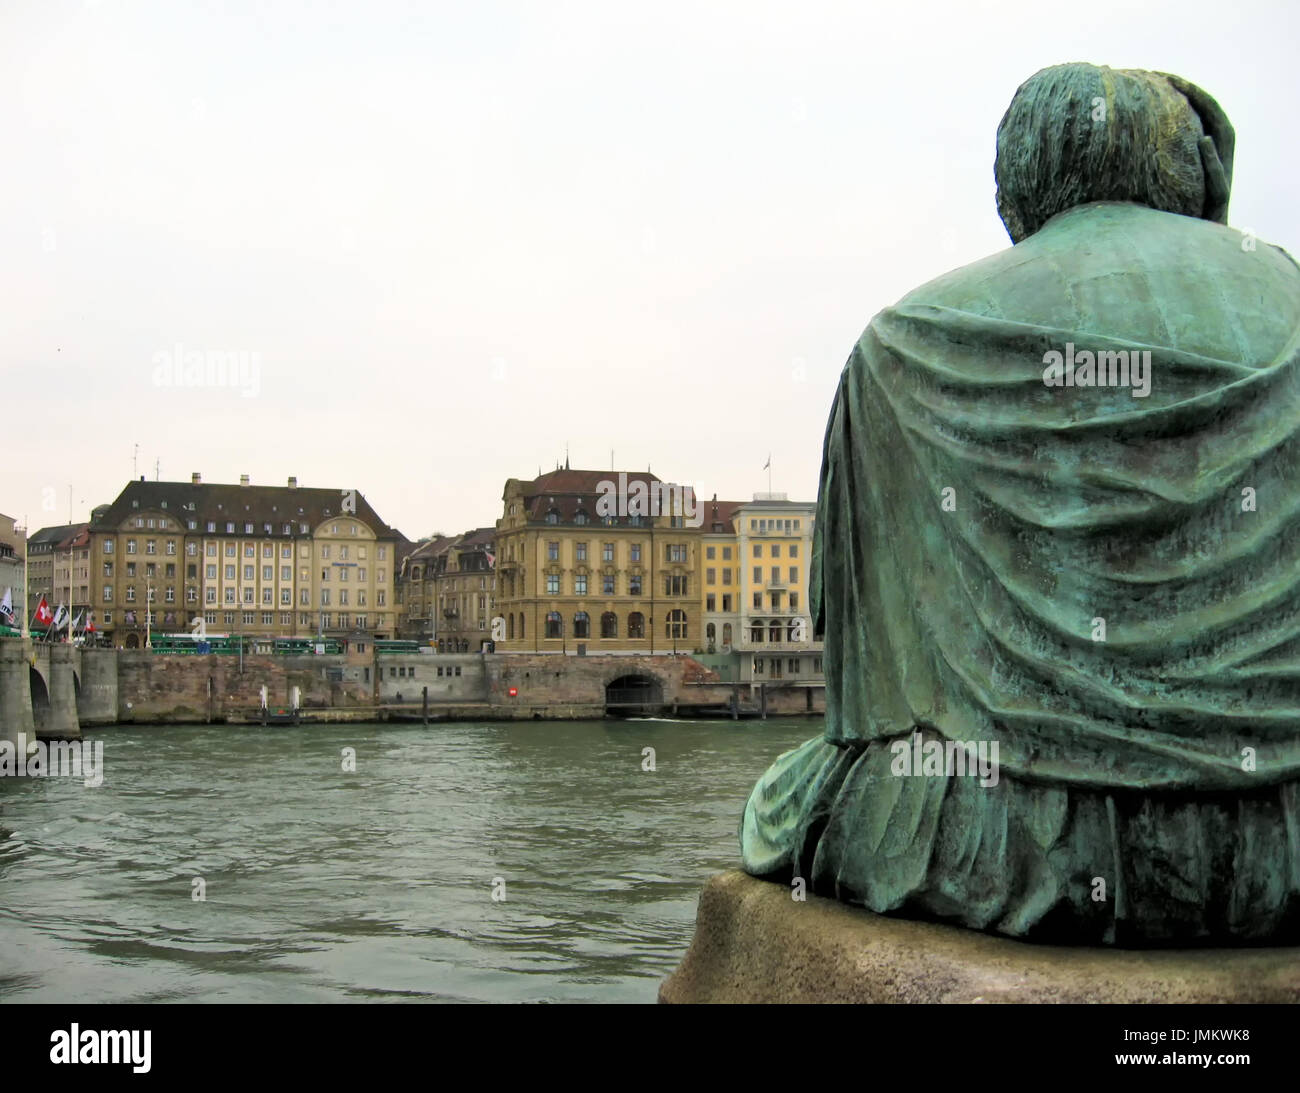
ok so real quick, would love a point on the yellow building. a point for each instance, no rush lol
(268, 561)
(602, 561)
(755, 586)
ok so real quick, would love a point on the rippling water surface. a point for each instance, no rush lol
(323, 885)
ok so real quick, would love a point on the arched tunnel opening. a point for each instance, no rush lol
(634, 695)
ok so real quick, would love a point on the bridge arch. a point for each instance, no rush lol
(40, 698)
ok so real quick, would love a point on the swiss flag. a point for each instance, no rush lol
(90, 625)
(43, 614)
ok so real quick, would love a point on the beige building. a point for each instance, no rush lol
(11, 566)
(572, 575)
(55, 556)
(269, 561)
(448, 591)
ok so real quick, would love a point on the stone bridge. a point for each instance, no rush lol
(49, 690)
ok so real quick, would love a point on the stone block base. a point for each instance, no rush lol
(754, 943)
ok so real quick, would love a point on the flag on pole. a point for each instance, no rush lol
(492, 559)
(7, 607)
(77, 624)
(90, 623)
(769, 461)
(43, 616)
(60, 617)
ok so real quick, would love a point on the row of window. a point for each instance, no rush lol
(711, 600)
(210, 549)
(675, 626)
(674, 585)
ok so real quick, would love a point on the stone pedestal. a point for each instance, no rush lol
(754, 943)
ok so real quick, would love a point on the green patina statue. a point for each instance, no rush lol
(1057, 558)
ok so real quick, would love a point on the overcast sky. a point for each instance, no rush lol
(450, 239)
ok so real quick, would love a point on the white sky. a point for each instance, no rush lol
(459, 236)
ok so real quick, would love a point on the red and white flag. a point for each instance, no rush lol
(44, 615)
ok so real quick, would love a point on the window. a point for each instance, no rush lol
(676, 625)
(108, 593)
(636, 552)
(582, 625)
(758, 601)
(776, 550)
(108, 546)
(636, 625)
(130, 593)
(552, 517)
(726, 603)
(552, 584)
(580, 584)
(758, 550)
(552, 551)
(286, 573)
(710, 552)
(130, 546)
(230, 550)
(324, 597)
(191, 550)
(248, 595)
(794, 601)
(726, 554)
(758, 574)
(710, 576)
(676, 586)
(710, 603)
(794, 550)
(609, 625)
(794, 574)
(581, 549)
(676, 552)
(634, 585)
(776, 573)
(108, 569)
(607, 552)
(209, 595)
(554, 624)
(607, 584)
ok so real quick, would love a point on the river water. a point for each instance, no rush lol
(324, 885)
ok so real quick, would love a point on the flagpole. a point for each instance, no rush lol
(25, 630)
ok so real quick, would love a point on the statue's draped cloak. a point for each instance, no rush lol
(1107, 586)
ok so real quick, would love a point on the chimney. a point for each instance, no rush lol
(196, 478)
(293, 482)
(243, 480)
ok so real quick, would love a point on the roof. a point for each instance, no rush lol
(719, 512)
(57, 537)
(258, 505)
(569, 492)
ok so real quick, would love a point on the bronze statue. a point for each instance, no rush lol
(1057, 558)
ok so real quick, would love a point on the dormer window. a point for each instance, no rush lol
(553, 517)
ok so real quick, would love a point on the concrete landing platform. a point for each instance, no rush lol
(754, 943)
